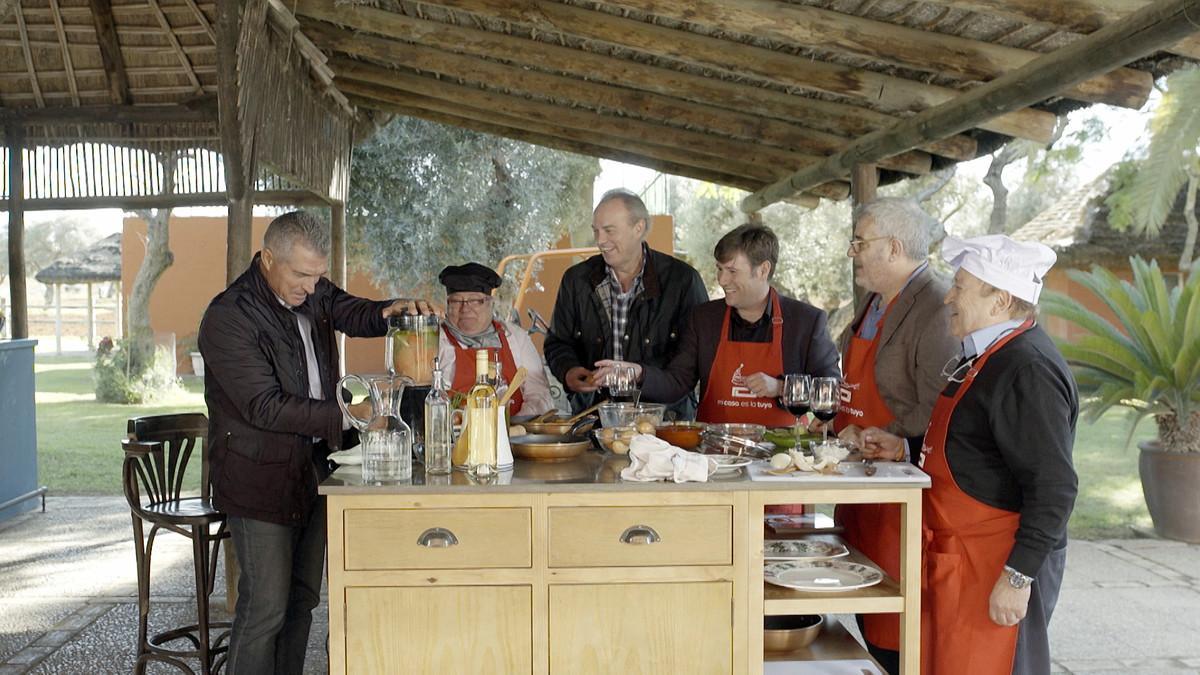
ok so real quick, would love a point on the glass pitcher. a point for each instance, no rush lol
(412, 344)
(386, 439)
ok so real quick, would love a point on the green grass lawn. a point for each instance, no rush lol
(79, 440)
(79, 448)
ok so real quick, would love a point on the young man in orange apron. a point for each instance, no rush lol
(739, 347)
(469, 326)
(998, 452)
(892, 358)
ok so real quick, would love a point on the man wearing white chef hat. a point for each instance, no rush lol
(998, 450)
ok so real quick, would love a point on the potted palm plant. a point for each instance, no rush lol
(1147, 359)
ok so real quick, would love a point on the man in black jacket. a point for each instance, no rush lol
(271, 369)
(628, 303)
(738, 348)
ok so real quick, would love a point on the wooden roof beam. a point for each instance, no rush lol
(1077, 16)
(835, 118)
(628, 128)
(742, 168)
(827, 30)
(124, 114)
(567, 145)
(889, 93)
(202, 19)
(653, 107)
(66, 52)
(28, 53)
(110, 51)
(1143, 32)
(175, 45)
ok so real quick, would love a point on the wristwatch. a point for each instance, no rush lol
(1016, 579)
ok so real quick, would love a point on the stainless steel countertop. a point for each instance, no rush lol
(596, 472)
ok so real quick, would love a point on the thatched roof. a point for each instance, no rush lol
(740, 92)
(97, 263)
(1077, 228)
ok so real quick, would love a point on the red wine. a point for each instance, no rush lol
(824, 415)
(798, 410)
(624, 397)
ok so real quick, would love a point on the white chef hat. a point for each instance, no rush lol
(1018, 267)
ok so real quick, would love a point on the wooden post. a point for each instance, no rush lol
(91, 320)
(337, 243)
(58, 319)
(19, 317)
(864, 180)
(238, 224)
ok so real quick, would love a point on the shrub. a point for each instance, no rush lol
(120, 379)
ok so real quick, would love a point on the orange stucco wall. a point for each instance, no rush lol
(198, 274)
(1058, 281)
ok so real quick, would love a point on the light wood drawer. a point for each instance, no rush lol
(382, 539)
(617, 536)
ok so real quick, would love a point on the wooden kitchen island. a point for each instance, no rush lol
(564, 568)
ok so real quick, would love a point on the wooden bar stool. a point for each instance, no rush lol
(156, 460)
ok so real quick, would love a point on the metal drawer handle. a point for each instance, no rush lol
(437, 537)
(640, 534)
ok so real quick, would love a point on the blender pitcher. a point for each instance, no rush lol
(386, 439)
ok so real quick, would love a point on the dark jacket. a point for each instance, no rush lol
(807, 348)
(261, 419)
(1010, 439)
(581, 331)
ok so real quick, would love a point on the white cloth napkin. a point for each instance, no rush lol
(351, 456)
(651, 459)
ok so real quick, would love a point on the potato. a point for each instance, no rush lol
(516, 430)
(645, 427)
(781, 461)
(619, 448)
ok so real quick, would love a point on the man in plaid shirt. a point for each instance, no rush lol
(628, 303)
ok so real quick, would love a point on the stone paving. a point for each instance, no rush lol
(68, 598)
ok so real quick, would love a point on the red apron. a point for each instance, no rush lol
(726, 398)
(966, 545)
(464, 371)
(873, 529)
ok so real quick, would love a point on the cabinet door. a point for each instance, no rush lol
(454, 629)
(641, 628)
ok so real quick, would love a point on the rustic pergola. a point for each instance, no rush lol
(789, 99)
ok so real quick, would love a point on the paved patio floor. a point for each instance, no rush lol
(68, 598)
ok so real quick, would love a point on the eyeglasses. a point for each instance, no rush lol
(856, 244)
(473, 303)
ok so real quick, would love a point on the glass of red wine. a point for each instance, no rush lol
(824, 402)
(796, 394)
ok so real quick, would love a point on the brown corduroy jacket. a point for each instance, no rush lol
(915, 344)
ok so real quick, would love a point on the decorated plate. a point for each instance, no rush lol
(803, 549)
(821, 575)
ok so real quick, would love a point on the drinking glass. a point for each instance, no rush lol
(623, 385)
(796, 394)
(824, 402)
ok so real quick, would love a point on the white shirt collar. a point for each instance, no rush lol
(977, 342)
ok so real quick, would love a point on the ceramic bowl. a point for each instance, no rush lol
(788, 633)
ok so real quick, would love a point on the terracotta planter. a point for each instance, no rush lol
(1171, 484)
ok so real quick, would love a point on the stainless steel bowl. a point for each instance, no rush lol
(788, 633)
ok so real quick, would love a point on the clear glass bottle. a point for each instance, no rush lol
(481, 422)
(438, 431)
(498, 380)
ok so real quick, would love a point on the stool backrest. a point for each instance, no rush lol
(180, 436)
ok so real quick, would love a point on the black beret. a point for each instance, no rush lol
(469, 277)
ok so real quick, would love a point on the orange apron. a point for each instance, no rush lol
(464, 375)
(873, 529)
(726, 398)
(966, 545)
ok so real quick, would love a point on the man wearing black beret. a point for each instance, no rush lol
(470, 326)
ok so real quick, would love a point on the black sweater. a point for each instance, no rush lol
(1010, 439)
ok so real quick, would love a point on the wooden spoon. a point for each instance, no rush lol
(517, 381)
(585, 411)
